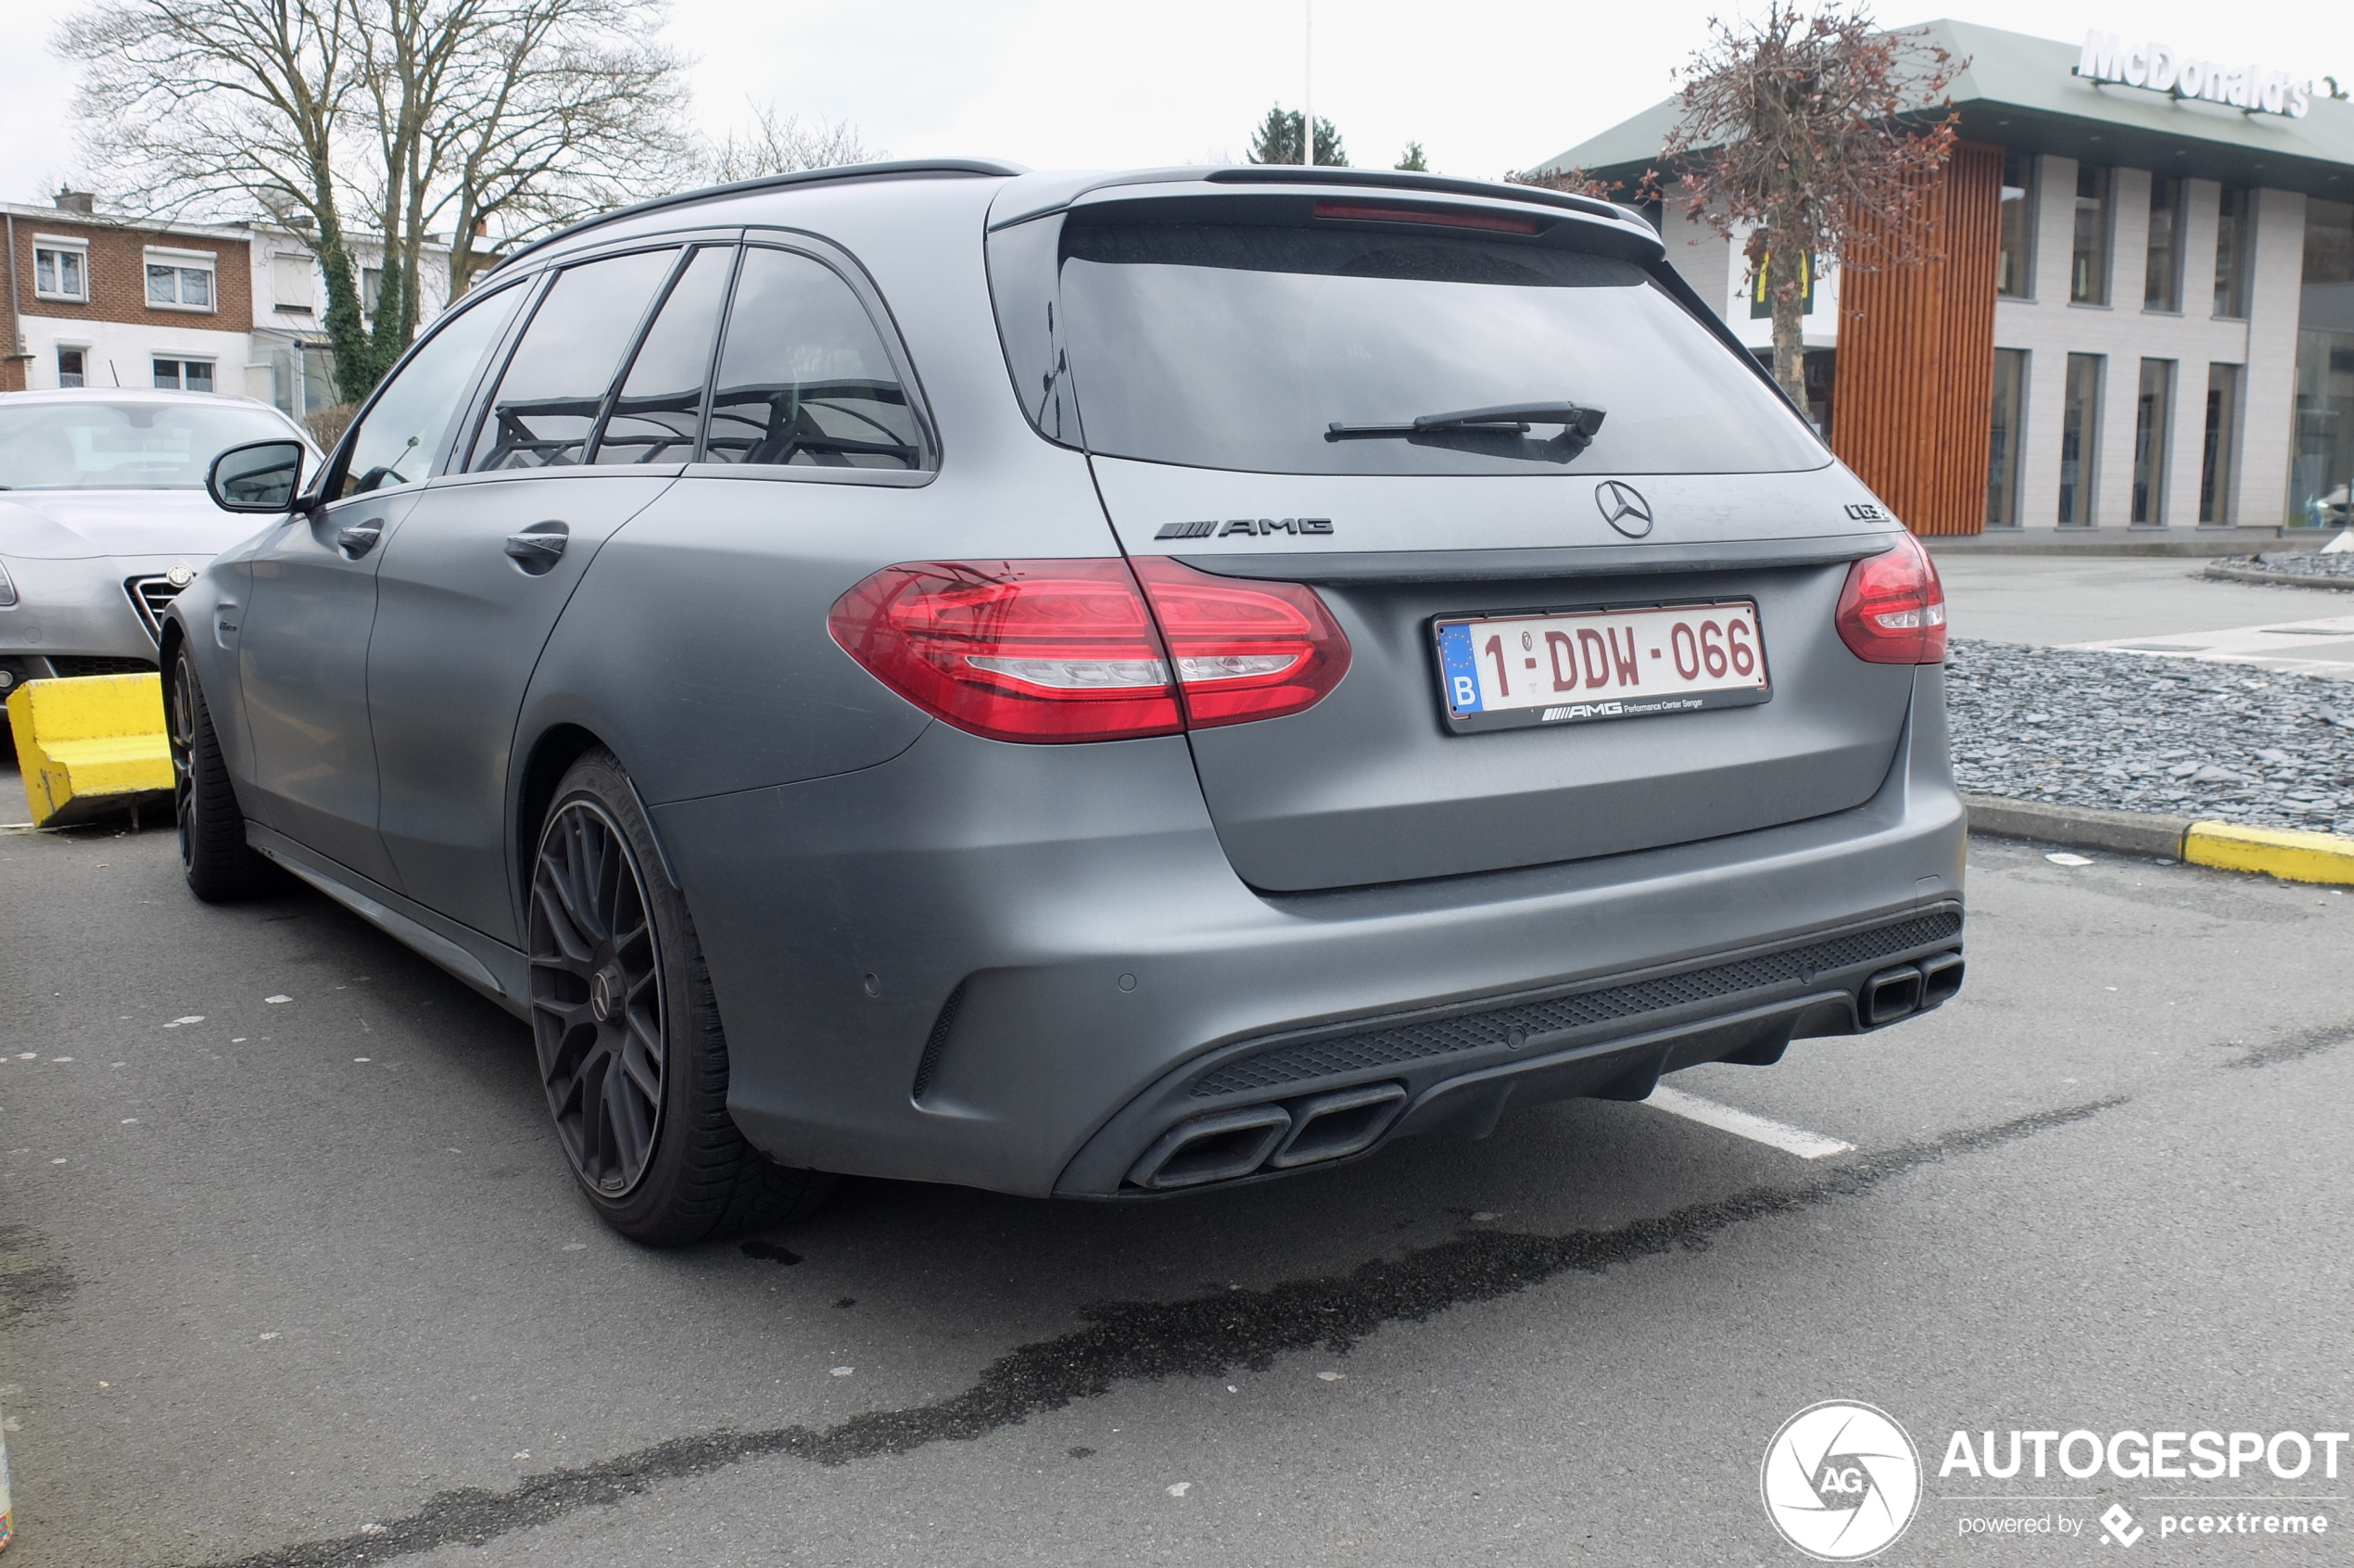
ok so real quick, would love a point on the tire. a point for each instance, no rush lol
(213, 854)
(630, 1048)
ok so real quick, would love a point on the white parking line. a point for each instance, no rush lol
(1725, 1119)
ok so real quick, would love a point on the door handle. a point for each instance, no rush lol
(360, 538)
(538, 548)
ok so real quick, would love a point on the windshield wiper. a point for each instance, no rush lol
(1578, 423)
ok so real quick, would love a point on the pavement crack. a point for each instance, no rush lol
(1199, 1337)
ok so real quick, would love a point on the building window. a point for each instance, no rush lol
(61, 272)
(180, 282)
(2163, 277)
(2151, 410)
(290, 282)
(2003, 451)
(2015, 254)
(2320, 474)
(2215, 451)
(70, 372)
(2088, 267)
(2080, 438)
(372, 283)
(185, 375)
(2232, 230)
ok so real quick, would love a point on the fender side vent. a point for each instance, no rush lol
(937, 1042)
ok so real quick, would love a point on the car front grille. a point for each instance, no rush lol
(1308, 1059)
(150, 596)
(71, 665)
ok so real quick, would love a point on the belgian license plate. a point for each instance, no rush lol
(1578, 666)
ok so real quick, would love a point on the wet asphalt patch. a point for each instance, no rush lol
(1200, 1337)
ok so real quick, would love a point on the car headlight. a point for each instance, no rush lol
(8, 590)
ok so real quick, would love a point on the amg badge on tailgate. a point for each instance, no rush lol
(1209, 527)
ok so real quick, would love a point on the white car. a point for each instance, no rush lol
(104, 518)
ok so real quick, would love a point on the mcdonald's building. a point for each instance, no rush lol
(2136, 310)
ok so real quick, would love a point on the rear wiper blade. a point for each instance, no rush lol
(1578, 423)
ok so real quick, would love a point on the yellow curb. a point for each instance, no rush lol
(2291, 856)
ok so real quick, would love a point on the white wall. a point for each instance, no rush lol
(120, 352)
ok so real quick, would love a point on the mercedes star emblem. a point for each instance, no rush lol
(1624, 507)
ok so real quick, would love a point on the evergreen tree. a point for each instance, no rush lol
(1277, 140)
(1412, 162)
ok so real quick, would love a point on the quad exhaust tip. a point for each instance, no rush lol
(1911, 988)
(1236, 1142)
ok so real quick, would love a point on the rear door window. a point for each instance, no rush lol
(555, 385)
(658, 416)
(1238, 346)
(804, 379)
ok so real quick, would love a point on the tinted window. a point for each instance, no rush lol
(1238, 346)
(659, 413)
(548, 399)
(805, 378)
(401, 435)
(126, 446)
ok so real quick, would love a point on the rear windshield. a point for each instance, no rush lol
(1238, 346)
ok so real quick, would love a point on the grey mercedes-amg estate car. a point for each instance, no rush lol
(1097, 685)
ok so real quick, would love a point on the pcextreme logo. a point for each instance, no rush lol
(1841, 1480)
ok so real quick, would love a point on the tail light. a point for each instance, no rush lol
(1056, 651)
(1893, 610)
(1244, 650)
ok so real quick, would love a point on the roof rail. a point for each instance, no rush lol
(979, 166)
(1293, 173)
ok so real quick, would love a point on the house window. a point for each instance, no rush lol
(2080, 438)
(2002, 456)
(70, 367)
(372, 283)
(2088, 267)
(185, 375)
(180, 282)
(290, 284)
(61, 272)
(2153, 411)
(2015, 257)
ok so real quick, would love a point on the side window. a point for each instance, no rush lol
(659, 413)
(401, 431)
(547, 400)
(804, 378)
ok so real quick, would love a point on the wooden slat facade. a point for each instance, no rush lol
(1916, 379)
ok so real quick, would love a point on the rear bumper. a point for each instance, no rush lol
(1051, 940)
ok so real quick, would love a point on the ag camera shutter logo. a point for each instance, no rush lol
(1841, 1480)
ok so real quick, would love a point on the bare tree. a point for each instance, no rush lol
(1795, 127)
(781, 145)
(397, 114)
(206, 104)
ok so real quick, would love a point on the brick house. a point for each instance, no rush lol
(102, 301)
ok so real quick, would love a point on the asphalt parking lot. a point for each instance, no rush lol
(291, 1274)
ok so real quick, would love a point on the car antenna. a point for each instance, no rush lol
(115, 373)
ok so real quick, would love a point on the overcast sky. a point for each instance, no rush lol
(1059, 83)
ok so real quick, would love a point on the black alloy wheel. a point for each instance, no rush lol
(214, 854)
(630, 1047)
(597, 999)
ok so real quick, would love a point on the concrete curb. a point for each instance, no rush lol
(2277, 580)
(2289, 856)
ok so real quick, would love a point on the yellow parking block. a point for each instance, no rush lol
(92, 744)
(2291, 856)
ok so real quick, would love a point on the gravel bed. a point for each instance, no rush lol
(2292, 563)
(2132, 732)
